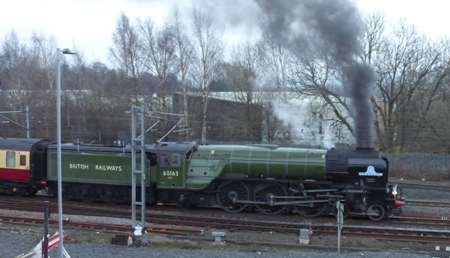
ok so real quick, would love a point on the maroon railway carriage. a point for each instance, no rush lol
(22, 165)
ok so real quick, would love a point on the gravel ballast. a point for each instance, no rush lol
(13, 244)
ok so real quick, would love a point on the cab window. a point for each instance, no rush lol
(175, 160)
(165, 159)
(168, 159)
(10, 159)
(189, 155)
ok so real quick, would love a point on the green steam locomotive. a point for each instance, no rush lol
(268, 178)
(271, 179)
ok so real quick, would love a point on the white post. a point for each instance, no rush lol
(340, 221)
(58, 115)
(58, 142)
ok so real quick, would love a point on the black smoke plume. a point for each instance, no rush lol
(337, 24)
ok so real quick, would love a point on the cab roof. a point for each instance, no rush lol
(173, 146)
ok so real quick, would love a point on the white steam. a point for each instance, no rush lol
(303, 124)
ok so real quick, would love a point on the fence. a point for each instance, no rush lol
(422, 163)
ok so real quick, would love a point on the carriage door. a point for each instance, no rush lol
(170, 172)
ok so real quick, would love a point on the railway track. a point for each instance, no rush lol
(435, 236)
(380, 233)
(383, 233)
(99, 226)
(422, 186)
(427, 203)
(78, 209)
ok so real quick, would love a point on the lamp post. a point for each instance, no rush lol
(58, 142)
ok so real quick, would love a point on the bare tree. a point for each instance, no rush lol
(315, 78)
(15, 59)
(413, 74)
(276, 62)
(44, 54)
(408, 66)
(127, 55)
(241, 76)
(16, 74)
(374, 27)
(206, 60)
(374, 39)
(183, 58)
(245, 57)
(159, 46)
(76, 82)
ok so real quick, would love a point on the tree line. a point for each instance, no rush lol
(188, 55)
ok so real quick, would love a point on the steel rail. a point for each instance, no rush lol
(100, 226)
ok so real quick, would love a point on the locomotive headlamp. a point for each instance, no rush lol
(394, 190)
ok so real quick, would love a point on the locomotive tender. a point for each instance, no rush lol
(235, 177)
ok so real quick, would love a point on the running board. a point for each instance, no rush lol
(281, 203)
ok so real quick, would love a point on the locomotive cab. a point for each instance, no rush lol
(173, 160)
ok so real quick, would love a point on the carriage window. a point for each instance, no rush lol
(175, 160)
(10, 159)
(23, 160)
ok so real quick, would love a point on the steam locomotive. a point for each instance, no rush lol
(269, 178)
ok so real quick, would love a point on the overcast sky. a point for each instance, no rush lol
(90, 23)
